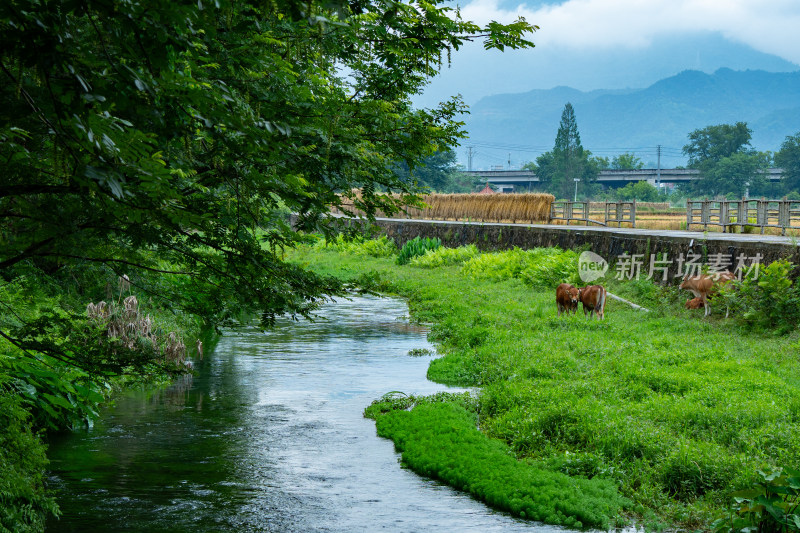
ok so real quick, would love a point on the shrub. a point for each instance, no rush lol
(442, 256)
(358, 245)
(769, 301)
(416, 247)
(23, 503)
(539, 267)
(551, 269)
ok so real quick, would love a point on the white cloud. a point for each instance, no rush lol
(769, 26)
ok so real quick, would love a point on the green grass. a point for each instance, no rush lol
(441, 441)
(676, 410)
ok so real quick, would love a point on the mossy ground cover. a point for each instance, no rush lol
(675, 410)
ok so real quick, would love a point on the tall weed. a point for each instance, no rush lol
(443, 256)
(417, 247)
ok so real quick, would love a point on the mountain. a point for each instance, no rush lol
(475, 73)
(637, 120)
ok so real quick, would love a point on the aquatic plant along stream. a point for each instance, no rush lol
(268, 436)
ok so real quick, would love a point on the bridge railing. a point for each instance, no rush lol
(612, 212)
(754, 213)
(621, 212)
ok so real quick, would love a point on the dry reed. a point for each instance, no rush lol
(130, 327)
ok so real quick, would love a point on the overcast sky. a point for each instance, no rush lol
(770, 26)
(612, 44)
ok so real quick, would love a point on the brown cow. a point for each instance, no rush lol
(701, 286)
(594, 300)
(694, 303)
(567, 297)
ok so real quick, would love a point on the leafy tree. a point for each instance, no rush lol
(163, 136)
(438, 173)
(166, 141)
(626, 161)
(727, 163)
(640, 191)
(788, 158)
(568, 160)
(711, 144)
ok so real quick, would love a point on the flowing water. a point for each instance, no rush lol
(268, 436)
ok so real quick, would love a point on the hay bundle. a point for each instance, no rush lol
(525, 207)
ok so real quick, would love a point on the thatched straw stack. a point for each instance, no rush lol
(527, 207)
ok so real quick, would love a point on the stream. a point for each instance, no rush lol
(268, 435)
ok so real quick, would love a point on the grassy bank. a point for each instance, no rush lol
(674, 410)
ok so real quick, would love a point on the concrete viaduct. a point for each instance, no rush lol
(524, 180)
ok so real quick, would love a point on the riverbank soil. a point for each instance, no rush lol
(673, 410)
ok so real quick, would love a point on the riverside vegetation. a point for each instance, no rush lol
(657, 417)
(102, 347)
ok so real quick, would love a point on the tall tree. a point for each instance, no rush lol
(135, 134)
(626, 161)
(725, 159)
(712, 143)
(568, 161)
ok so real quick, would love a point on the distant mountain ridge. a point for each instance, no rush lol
(636, 120)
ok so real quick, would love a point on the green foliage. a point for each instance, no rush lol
(626, 161)
(788, 158)
(727, 164)
(23, 501)
(772, 506)
(441, 441)
(438, 173)
(358, 245)
(640, 191)
(442, 256)
(714, 143)
(496, 266)
(539, 267)
(417, 247)
(550, 269)
(568, 160)
(769, 301)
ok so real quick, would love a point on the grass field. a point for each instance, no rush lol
(675, 410)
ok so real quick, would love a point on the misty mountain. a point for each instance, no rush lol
(637, 120)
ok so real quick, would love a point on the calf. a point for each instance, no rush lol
(694, 303)
(593, 298)
(701, 286)
(567, 297)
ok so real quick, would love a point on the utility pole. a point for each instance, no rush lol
(509, 160)
(469, 158)
(658, 170)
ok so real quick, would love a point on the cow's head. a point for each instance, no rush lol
(575, 295)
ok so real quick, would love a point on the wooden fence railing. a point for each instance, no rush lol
(758, 213)
(613, 212)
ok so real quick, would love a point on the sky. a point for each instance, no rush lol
(613, 44)
(616, 44)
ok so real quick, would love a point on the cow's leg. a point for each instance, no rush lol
(705, 304)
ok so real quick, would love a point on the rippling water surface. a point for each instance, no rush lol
(268, 436)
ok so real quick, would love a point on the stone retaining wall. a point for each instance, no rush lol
(606, 242)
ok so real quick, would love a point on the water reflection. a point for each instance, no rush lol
(268, 436)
